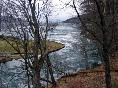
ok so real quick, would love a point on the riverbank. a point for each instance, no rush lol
(91, 78)
(9, 52)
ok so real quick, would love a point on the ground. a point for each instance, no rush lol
(92, 78)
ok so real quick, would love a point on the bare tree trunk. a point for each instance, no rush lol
(36, 79)
(50, 70)
(36, 68)
(105, 47)
(107, 69)
(37, 40)
(36, 63)
(26, 57)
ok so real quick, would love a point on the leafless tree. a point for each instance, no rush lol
(25, 23)
(104, 11)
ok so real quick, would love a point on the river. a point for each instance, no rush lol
(68, 59)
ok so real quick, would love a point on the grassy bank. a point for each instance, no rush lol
(6, 48)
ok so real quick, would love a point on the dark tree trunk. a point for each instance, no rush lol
(106, 64)
(50, 70)
(36, 63)
(107, 70)
(36, 77)
(104, 44)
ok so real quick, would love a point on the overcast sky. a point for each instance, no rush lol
(61, 12)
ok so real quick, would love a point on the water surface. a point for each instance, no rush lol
(68, 59)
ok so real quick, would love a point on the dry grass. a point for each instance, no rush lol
(51, 46)
(5, 47)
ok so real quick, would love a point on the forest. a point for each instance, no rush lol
(58, 44)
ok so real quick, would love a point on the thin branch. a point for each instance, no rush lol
(83, 24)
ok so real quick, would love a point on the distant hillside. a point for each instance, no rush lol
(72, 20)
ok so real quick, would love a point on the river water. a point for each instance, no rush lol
(68, 59)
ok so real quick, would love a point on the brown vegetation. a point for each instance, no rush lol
(92, 78)
(7, 52)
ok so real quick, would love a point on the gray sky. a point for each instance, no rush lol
(61, 12)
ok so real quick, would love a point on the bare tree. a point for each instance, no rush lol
(31, 44)
(103, 13)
